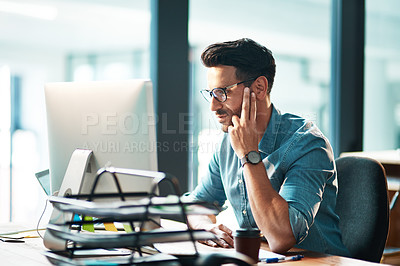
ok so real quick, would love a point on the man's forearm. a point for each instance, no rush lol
(270, 210)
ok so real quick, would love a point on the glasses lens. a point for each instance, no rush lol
(219, 94)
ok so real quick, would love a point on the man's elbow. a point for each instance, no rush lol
(281, 245)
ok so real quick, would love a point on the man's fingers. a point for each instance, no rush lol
(212, 243)
(217, 243)
(225, 234)
(227, 239)
(223, 243)
(208, 243)
(253, 107)
(235, 120)
(245, 104)
(225, 229)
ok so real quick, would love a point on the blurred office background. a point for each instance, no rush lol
(69, 40)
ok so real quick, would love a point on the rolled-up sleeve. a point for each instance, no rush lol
(304, 184)
(299, 224)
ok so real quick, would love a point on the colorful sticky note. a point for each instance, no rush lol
(128, 228)
(89, 226)
(110, 227)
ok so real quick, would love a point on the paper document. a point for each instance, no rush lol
(265, 254)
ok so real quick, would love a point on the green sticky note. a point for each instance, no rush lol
(128, 228)
(88, 227)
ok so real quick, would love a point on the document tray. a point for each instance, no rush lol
(121, 240)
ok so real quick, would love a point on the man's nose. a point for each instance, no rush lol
(215, 104)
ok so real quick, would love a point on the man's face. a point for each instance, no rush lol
(220, 77)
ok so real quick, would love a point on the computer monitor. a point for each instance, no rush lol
(92, 125)
(114, 119)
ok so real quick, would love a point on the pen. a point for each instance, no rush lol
(293, 258)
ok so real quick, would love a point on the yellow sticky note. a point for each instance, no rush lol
(110, 227)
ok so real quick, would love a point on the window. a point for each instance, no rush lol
(5, 139)
(57, 40)
(382, 76)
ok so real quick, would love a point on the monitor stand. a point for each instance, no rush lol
(78, 167)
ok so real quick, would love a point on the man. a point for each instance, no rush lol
(277, 170)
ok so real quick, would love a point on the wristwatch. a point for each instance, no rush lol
(252, 157)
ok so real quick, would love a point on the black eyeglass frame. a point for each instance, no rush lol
(212, 92)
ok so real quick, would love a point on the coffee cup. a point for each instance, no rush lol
(247, 241)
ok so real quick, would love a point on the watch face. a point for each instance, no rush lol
(254, 157)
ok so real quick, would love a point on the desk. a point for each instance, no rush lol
(29, 253)
(390, 160)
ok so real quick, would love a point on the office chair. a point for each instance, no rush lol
(362, 206)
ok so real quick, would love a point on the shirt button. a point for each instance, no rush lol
(240, 181)
(244, 212)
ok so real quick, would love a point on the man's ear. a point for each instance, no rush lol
(260, 87)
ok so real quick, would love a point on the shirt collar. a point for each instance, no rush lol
(268, 140)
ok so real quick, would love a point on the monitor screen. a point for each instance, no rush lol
(114, 119)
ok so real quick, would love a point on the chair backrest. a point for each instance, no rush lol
(362, 206)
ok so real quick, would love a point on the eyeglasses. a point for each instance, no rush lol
(220, 93)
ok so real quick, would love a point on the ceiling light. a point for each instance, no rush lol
(30, 10)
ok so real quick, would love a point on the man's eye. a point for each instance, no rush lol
(219, 92)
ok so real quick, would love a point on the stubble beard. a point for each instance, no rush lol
(224, 127)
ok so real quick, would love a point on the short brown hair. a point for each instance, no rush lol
(250, 59)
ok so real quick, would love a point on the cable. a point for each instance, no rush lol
(37, 229)
(41, 216)
(22, 231)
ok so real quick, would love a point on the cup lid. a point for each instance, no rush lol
(247, 232)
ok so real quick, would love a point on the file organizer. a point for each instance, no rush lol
(136, 213)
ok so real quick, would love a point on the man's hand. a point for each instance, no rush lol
(208, 223)
(243, 132)
(223, 234)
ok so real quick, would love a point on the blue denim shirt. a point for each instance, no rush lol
(300, 165)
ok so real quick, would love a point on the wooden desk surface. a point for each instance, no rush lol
(314, 258)
(390, 159)
(384, 157)
(30, 253)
